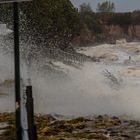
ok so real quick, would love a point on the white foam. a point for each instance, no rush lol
(86, 91)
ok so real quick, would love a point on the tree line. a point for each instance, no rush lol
(106, 15)
(54, 23)
(47, 23)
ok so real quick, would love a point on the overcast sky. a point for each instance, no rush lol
(121, 5)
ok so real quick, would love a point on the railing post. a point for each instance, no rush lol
(30, 114)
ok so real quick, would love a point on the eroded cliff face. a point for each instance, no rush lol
(137, 30)
(116, 31)
(110, 34)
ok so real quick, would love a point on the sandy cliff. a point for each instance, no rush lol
(109, 35)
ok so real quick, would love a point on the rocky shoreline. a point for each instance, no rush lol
(95, 128)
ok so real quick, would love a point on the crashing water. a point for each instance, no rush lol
(85, 91)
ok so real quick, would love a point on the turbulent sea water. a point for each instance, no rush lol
(85, 91)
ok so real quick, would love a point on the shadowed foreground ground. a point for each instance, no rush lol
(95, 128)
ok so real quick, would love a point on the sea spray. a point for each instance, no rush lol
(84, 91)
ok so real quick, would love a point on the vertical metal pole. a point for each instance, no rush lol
(17, 70)
(30, 114)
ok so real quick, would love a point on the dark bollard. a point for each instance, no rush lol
(30, 114)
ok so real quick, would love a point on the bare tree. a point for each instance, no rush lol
(106, 7)
(115, 82)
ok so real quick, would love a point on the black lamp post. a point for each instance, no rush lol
(32, 134)
(17, 70)
(29, 107)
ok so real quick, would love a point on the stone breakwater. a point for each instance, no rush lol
(84, 128)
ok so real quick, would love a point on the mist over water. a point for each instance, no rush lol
(84, 91)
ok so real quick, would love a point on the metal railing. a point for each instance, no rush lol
(68, 57)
